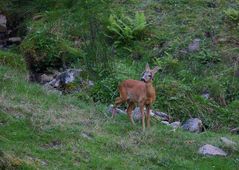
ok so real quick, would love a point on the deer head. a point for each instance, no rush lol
(148, 74)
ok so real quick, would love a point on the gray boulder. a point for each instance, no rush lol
(211, 150)
(193, 125)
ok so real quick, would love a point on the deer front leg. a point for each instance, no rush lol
(148, 115)
(143, 117)
(129, 112)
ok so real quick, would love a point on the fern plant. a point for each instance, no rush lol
(232, 14)
(124, 29)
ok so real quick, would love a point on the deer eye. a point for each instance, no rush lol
(150, 75)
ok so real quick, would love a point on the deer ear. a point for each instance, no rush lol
(156, 69)
(147, 67)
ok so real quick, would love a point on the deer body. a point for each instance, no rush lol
(141, 93)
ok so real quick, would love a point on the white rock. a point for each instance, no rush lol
(211, 150)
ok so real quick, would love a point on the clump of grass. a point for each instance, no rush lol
(13, 60)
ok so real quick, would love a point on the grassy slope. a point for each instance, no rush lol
(38, 126)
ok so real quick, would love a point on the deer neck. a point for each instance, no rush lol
(149, 88)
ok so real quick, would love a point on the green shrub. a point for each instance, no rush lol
(44, 51)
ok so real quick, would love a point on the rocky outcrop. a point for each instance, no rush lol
(7, 38)
(64, 78)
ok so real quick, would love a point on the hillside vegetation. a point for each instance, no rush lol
(112, 41)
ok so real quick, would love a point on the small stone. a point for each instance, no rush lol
(206, 94)
(235, 130)
(194, 46)
(86, 135)
(176, 124)
(165, 122)
(137, 114)
(117, 111)
(193, 125)
(3, 23)
(211, 150)
(45, 78)
(3, 29)
(14, 40)
(90, 83)
(163, 116)
(37, 17)
(228, 143)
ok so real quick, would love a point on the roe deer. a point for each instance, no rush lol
(138, 92)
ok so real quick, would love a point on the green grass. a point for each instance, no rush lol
(39, 127)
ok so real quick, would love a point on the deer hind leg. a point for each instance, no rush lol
(119, 100)
(148, 116)
(143, 116)
(130, 108)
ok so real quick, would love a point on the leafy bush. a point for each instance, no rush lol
(125, 29)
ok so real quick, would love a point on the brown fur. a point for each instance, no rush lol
(141, 93)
